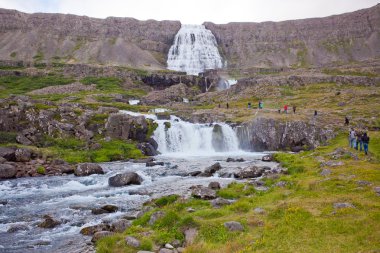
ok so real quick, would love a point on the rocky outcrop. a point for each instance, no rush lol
(317, 41)
(71, 38)
(173, 94)
(272, 134)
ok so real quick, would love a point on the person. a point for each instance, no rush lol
(352, 138)
(279, 110)
(286, 108)
(228, 106)
(359, 141)
(315, 113)
(249, 105)
(219, 105)
(365, 140)
(346, 121)
(294, 109)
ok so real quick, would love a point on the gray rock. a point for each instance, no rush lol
(259, 210)
(213, 168)
(202, 192)
(17, 227)
(190, 210)
(8, 153)
(91, 230)
(23, 155)
(363, 183)
(86, 169)
(377, 190)
(325, 172)
(214, 185)
(181, 250)
(217, 203)
(7, 171)
(151, 164)
(281, 184)
(101, 234)
(333, 163)
(250, 172)
(105, 209)
(119, 226)
(195, 173)
(124, 179)
(132, 241)
(261, 188)
(176, 243)
(156, 216)
(190, 235)
(49, 222)
(144, 251)
(164, 250)
(267, 158)
(169, 246)
(234, 226)
(343, 205)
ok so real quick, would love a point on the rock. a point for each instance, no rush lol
(151, 164)
(259, 210)
(240, 160)
(163, 250)
(23, 155)
(147, 149)
(101, 234)
(8, 153)
(132, 241)
(250, 172)
(97, 211)
(65, 168)
(229, 159)
(105, 209)
(190, 235)
(332, 163)
(195, 173)
(267, 158)
(125, 179)
(213, 168)
(91, 230)
(202, 192)
(139, 192)
(181, 250)
(234, 226)
(219, 202)
(176, 243)
(377, 190)
(363, 183)
(119, 226)
(155, 216)
(281, 184)
(7, 171)
(190, 210)
(261, 188)
(214, 185)
(169, 246)
(86, 169)
(325, 172)
(343, 205)
(3, 202)
(144, 251)
(17, 227)
(2, 159)
(49, 222)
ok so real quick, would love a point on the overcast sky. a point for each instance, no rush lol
(194, 11)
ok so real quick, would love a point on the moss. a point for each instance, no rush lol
(39, 56)
(41, 170)
(13, 54)
(7, 137)
(163, 201)
(104, 83)
(152, 126)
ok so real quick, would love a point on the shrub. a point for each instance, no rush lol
(163, 201)
(41, 170)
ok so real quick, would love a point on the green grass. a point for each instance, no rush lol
(103, 83)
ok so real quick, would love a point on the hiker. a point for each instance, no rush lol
(286, 109)
(279, 111)
(315, 113)
(228, 106)
(352, 138)
(359, 141)
(261, 104)
(219, 105)
(294, 109)
(346, 121)
(249, 105)
(365, 140)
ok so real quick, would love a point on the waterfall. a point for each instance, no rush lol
(194, 50)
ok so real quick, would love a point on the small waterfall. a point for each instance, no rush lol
(194, 50)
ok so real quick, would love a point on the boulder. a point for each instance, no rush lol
(250, 172)
(49, 222)
(209, 171)
(234, 226)
(325, 172)
(120, 225)
(267, 158)
(8, 153)
(219, 202)
(132, 241)
(101, 234)
(91, 230)
(125, 179)
(169, 246)
(155, 216)
(17, 227)
(214, 185)
(104, 209)
(147, 149)
(190, 235)
(202, 192)
(86, 169)
(7, 171)
(23, 155)
(151, 164)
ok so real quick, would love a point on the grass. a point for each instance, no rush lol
(298, 218)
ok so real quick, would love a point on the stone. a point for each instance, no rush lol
(250, 172)
(181, 250)
(214, 185)
(23, 155)
(164, 250)
(202, 192)
(363, 183)
(267, 158)
(86, 169)
(97, 211)
(91, 230)
(325, 172)
(219, 202)
(281, 184)
(17, 227)
(343, 205)
(124, 127)
(213, 168)
(151, 164)
(132, 241)
(333, 163)
(195, 173)
(229, 159)
(124, 179)
(110, 208)
(190, 235)
(261, 188)
(144, 251)
(8, 153)
(190, 210)
(120, 225)
(377, 190)
(169, 246)
(176, 243)
(259, 210)
(49, 222)
(2, 159)
(7, 171)
(156, 216)
(234, 226)
(101, 234)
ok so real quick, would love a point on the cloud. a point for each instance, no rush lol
(194, 11)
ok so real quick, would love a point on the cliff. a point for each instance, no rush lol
(79, 39)
(301, 43)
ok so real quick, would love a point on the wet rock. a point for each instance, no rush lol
(195, 173)
(190, 235)
(143, 160)
(124, 179)
(101, 234)
(17, 227)
(267, 158)
(91, 230)
(343, 205)
(7, 171)
(325, 172)
(229, 159)
(139, 192)
(151, 164)
(155, 216)
(8, 153)
(202, 192)
(105, 209)
(214, 185)
(3, 202)
(2, 159)
(119, 226)
(132, 241)
(209, 171)
(259, 210)
(49, 222)
(23, 155)
(250, 172)
(65, 168)
(234, 226)
(219, 202)
(147, 149)
(86, 169)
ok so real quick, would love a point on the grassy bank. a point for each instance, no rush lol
(299, 217)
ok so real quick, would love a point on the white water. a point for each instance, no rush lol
(226, 84)
(194, 50)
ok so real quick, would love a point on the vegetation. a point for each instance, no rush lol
(41, 170)
(299, 217)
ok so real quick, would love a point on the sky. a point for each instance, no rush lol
(194, 11)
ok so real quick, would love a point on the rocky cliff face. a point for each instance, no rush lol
(69, 38)
(342, 38)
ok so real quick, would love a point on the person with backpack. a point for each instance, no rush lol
(365, 140)
(359, 141)
(352, 138)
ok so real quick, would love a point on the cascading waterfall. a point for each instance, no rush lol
(194, 50)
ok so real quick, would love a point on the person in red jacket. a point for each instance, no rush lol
(286, 108)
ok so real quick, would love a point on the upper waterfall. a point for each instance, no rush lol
(194, 50)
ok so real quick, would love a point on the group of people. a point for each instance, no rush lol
(286, 109)
(358, 140)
